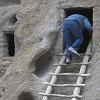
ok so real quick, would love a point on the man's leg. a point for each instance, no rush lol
(68, 39)
(77, 34)
(68, 54)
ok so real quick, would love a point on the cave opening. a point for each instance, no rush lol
(9, 2)
(25, 96)
(10, 45)
(88, 12)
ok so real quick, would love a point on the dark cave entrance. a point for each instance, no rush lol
(26, 96)
(9, 2)
(10, 45)
(88, 12)
(8, 36)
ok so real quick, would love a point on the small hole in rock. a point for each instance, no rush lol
(25, 96)
(13, 19)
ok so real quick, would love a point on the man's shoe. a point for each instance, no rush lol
(74, 51)
(68, 61)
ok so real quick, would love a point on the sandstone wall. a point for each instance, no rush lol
(36, 34)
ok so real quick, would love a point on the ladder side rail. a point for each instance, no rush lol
(80, 79)
(54, 79)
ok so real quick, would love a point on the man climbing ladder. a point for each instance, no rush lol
(73, 28)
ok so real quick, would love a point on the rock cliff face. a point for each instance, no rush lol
(35, 29)
(35, 26)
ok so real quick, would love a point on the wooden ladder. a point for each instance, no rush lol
(79, 83)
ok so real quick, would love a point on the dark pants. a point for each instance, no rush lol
(72, 35)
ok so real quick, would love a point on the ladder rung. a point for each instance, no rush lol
(62, 96)
(65, 85)
(72, 64)
(70, 74)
